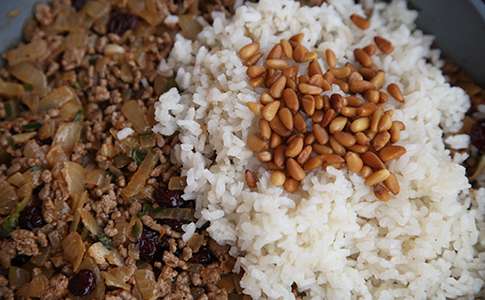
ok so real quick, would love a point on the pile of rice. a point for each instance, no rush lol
(334, 239)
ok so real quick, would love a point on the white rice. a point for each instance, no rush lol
(334, 239)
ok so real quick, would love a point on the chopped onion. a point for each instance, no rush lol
(189, 26)
(73, 174)
(67, 135)
(28, 73)
(145, 282)
(8, 197)
(118, 276)
(10, 89)
(70, 109)
(135, 115)
(34, 288)
(74, 249)
(77, 207)
(76, 39)
(22, 138)
(68, 20)
(56, 98)
(90, 222)
(138, 180)
(47, 130)
(56, 155)
(97, 9)
(96, 177)
(27, 52)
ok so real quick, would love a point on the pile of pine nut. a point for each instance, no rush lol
(303, 127)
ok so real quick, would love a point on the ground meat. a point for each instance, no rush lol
(43, 14)
(25, 242)
(57, 287)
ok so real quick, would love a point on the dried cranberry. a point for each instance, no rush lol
(83, 283)
(31, 217)
(168, 199)
(120, 22)
(477, 135)
(78, 4)
(19, 260)
(150, 245)
(203, 256)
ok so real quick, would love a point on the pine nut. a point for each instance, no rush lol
(355, 76)
(320, 134)
(253, 59)
(373, 161)
(265, 98)
(344, 86)
(271, 76)
(337, 147)
(291, 99)
(309, 89)
(395, 131)
(275, 140)
(332, 159)
(309, 139)
(371, 134)
(256, 144)
(377, 177)
(250, 179)
(294, 147)
(299, 122)
(391, 152)
(294, 169)
(279, 156)
(360, 124)
(360, 21)
(381, 140)
(299, 53)
(354, 162)
(360, 86)
(317, 80)
(290, 72)
(362, 139)
(264, 129)
(254, 107)
(276, 52)
(318, 102)
(378, 80)
(303, 79)
(256, 82)
(359, 148)
(304, 154)
(354, 101)
(265, 156)
(291, 84)
(365, 172)
(291, 185)
(314, 68)
(372, 96)
(328, 76)
(344, 138)
(368, 73)
(384, 45)
(312, 163)
(287, 49)
(330, 58)
(297, 38)
(278, 178)
(341, 73)
(278, 127)
(337, 102)
(348, 112)
(376, 118)
(248, 50)
(395, 92)
(370, 49)
(382, 193)
(383, 97)
(308, 104)
(255, 71)
(362, 57)
(309, 56)
(392, 184)
(338, 124)
(277, 88)
(385, 122)
(278, 64)
(286, 118)
(269, 111)
(322, 149)
(326, 102)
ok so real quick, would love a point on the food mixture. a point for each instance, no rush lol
(225, 149)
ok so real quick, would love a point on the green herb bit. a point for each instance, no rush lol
(32, 126)
(138, 155)
(105, 240)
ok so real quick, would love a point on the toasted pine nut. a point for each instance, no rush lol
(391, 152)
(341, 73)
(322, 149)
(304, 154)
(368, 73)
(367, 109)
(275, 140)
(392, 184)
(256, 144)
(287, 49)
(376, 118)
(357, 148)
(271, 76)
(303, 79)
(277, 88)
(308, 104)
(377, 177)
(354, 162)
(248, 50)
(378, 79)
(278, 127)
(290, 72)
(265, 98)
(253, 59)
(381, 192)
(320, 134)
(317, 116)
(264, 129)
(294, 169)
(395, 92)
(299, 53)
(318, 102)
(312, 163)
(337, 147)
(383, 97)
(299, 122)
(329, 77)
(365, 171)
(370, 49)
(255, 108)
(279, 156)
(395, 131)
(354, 101)
(276, 52)
(338, 124)
(385, 123)
(344, 86)
(330, 58)
(360, 124)
(360, 86)
(355, 76)
(344, 138)
(372, 96)
(286, 117)
(381, 140)
(278, 178)
(265, 156)
(291, 185)
(291, 99)
(362, 57)
(384, 45)
(314, 68)
(309, 89)
(309, 139)
(362, 139)
(348, 111)
(297, 38)
(337, 102)
(294, 147)
(332, 159)
(251, 180)
(373, 161)
(269, 111)
(278, 64)
(309, 56)
(360, 21)
(255, 71)
(256, 82)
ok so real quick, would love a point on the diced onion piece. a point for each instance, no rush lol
(10, 89)
(56, 155)
(74, 249)
(69, 20)
(76, 39)
(69, 110)
(23, 138)
(28, 73)
(56, 98)
(145, 282)
(138, 180)
(118, 277)
(189, 26)
(95, 177)
(77, 207)
(73, 174)
(97, 9)
(47, 130)
(27, 52)
(8, 197)
(36, 287)
(90, 222)
(135, 115)
(67, 135)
